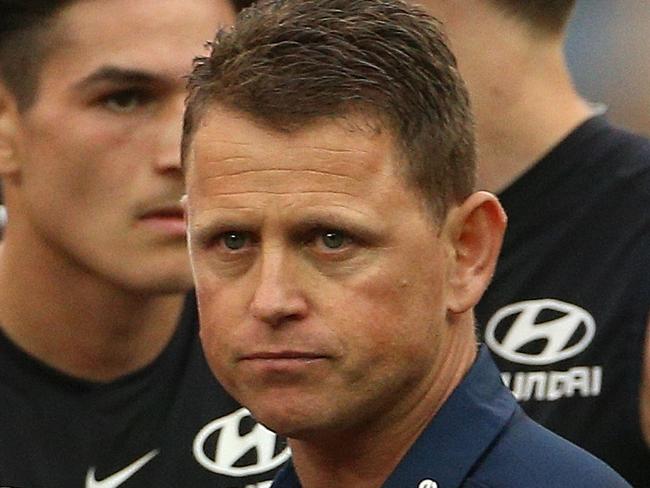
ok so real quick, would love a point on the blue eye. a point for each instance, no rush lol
(234, 240)
(333, 239)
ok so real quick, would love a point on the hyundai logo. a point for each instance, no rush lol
(221, 448)
(539, 332)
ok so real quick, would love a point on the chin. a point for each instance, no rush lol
(291, 422)
(144, 275)
(168, 284)
(282, 425)
(287, 411)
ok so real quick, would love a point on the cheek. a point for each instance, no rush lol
(112, 158)
(85, 160)
(213, 335)
(221, 312)
(391, 314)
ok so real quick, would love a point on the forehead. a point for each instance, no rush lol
(161, 34)
(230, 145)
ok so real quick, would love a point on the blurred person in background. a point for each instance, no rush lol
(566, 315)
(102, 379)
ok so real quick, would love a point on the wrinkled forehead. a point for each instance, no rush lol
(238, 139)
(233, 153)
(207, 119)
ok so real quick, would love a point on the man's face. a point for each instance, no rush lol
(99, 181)
(321, 276)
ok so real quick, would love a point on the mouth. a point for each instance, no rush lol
(284, 363)
(170, 211)
(283, 356)
(167, 220)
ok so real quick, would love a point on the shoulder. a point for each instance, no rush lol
(527, 454)
(620, 154)
(602, 137)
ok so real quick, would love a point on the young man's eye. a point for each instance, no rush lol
(125, 101)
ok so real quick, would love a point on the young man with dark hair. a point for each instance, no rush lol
(101, 384)
(338, 248)
(566, 315)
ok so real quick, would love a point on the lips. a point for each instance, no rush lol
(172, 212)
(283, 355)
(166, 220)
(284, 367)
(283, 362)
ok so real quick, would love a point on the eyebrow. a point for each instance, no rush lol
(115, 74)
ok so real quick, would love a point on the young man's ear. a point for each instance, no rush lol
(475, 232)
(9, 123)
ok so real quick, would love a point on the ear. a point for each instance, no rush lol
(9, 123)
(475, 232)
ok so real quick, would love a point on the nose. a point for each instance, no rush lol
(278, 298)
(168, 157)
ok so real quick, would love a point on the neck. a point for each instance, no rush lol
(366, 457)
(531, 119)
(76, 322)
(521, 91)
